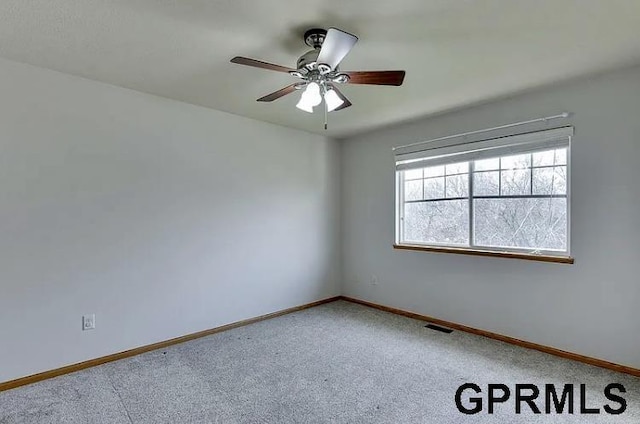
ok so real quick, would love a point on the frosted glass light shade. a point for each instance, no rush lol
(333, 100)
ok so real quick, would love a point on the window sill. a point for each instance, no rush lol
(474, 252)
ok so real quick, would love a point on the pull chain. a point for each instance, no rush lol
(326, 116)
(326, 109)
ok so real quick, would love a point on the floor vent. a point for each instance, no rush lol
(438, 328)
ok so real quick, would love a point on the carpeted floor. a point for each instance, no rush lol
(336, 363)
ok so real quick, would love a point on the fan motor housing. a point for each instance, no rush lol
(308, 60)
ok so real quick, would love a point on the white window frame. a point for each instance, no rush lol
(460, 151)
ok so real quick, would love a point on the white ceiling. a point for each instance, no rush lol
(455, 52)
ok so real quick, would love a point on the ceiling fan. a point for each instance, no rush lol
(320, 72)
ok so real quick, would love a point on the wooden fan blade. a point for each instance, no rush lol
(376, 77)
(346, 103)
(259, 64)
(277, 94)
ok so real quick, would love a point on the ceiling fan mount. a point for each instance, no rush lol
(315, 37)
(320, 72)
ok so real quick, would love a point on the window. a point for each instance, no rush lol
(508, 194)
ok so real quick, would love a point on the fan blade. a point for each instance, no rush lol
(259, 64)
(335, 47)
(376, 77)
(346, 103)
(277, 94)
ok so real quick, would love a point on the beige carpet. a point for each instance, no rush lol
(336, 363)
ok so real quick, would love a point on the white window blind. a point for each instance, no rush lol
(442, 153)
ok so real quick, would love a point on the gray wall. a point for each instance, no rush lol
(590, 307)
(160, 217)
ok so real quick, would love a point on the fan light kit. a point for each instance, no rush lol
(320, 72)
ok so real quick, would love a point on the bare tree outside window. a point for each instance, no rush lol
(511, 202)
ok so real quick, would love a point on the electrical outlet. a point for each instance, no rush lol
(89, 322)
(374, 280)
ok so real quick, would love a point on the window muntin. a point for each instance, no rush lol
(518, 202)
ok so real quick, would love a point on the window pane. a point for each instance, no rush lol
(413, 174)
(487, 164)
(515, 162)
(550, 157)
(543, 180)
(434, 171)
(544, 158)
(561, 156)
(550, 180)
(458, 186)
(445, 222)
(486, 183)
(560, 180)
(434, 188)
(525, 223)
(458, 168)
(413, 190)
(516, 182)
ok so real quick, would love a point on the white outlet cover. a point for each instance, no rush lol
(89, 322)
